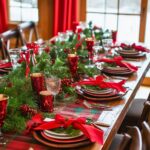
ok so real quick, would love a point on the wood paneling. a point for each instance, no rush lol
(144, 4)
(82, 10)
(45, 18)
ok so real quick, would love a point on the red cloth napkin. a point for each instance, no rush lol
(5, 65)
(99, 81)
(94, 134)
(119, 62)
(134, 46)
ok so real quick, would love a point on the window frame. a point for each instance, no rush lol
(142, 15)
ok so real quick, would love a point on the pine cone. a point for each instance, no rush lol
(27, 110)
(66, 81)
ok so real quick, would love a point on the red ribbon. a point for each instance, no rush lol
(25, 57)
(119, 62)
(99, 81)
(134, 46)
(94, 134)
(5, 65)
(33, 46)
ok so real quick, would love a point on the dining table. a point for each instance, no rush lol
(111, 119)
(108, 121)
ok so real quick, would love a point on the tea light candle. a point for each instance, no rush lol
(46, 101)
(3, 97)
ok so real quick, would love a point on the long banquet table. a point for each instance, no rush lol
(114, 118)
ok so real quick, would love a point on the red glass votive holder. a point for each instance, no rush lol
(73, 64)
(3, 107)
(38, 82)
(90, 43)
(114, 37)
(46, 101)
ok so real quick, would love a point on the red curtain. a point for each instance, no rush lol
(65, 13)
(3, 16)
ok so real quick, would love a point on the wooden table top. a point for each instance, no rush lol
(119, 107)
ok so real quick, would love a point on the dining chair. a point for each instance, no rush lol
(145, 135)
(9, 39)
(137, 113)
(131, 140)
(28, 32)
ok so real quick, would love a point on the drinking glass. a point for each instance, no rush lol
(97, 50)
(14, 56)
(53, 85)
(3, 108)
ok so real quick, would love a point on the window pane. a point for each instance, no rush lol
(15, 13)
(128, 29)
(26, 10)
(29, 3)
(97, 19)
(95, 5)
(130, 6)
(111, 7)
(111, 22)
(29, 14)
(15, 3)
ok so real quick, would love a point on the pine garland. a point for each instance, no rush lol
(52, 62)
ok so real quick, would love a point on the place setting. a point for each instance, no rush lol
(65, 132)
(132, 51)
(5, 67)
(100, 89)
(116, 66)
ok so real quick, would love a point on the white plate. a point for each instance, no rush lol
(62, 137)
(55, 133)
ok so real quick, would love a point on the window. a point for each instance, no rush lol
(23, 10)
(120, 15)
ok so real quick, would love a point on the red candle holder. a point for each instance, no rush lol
(46, 101)
(114, 37)
(73, 64)
(38, 82)
(3, 111)
(90, 43)
(3, 108)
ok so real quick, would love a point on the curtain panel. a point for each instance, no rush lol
(3, 16)
(65, 13)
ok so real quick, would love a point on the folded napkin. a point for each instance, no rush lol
(5, 65)
(134, 46)
(99, 81)
(118, 61)
(94, 134)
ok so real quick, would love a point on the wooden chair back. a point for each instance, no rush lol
(145, 116)
(28, 32)
(145, 136)
(9, 39)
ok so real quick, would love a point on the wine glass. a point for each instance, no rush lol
(3, 108)
(14, 56)
(53, 85)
